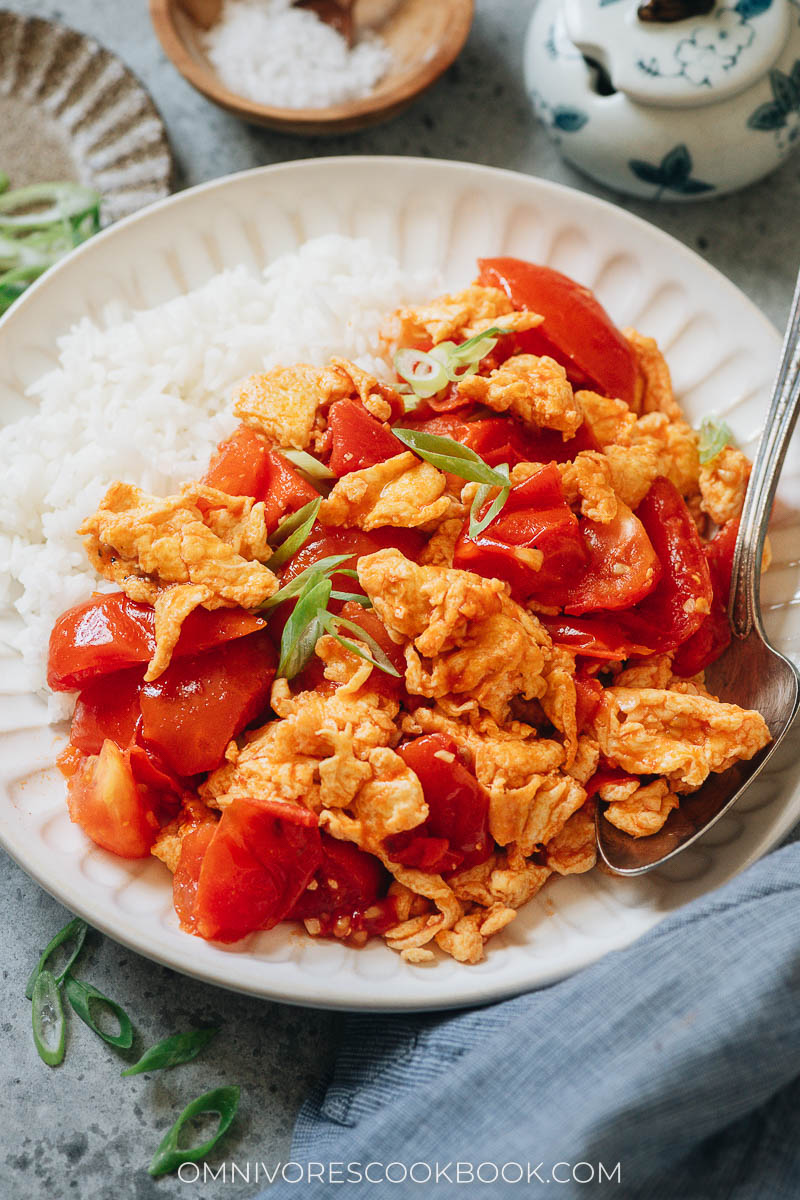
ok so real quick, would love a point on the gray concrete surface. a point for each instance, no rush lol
(82, 1131)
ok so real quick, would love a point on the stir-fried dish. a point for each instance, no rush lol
(376, 669)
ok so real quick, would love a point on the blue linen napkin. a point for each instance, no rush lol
(678, 1059)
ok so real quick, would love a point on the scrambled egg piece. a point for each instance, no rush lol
(535, 814)
(464, 634)
(723, 483)
(287, 403)
(316, 753)
(658, 395)
(608, 419)
(644, 811)
(456, 318)
(633, 469)
(401, 491)
(505, 878)
(573, 850)
(178, 552)
(439, 551)
(682, 736)
(536, 390)
(674, 444)
(588, 482)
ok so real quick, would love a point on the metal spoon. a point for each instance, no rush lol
(751, 673)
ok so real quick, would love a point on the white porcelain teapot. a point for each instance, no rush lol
(665, 101)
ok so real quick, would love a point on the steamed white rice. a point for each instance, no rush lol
(146, 401)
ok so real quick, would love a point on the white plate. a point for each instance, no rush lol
(722, 352)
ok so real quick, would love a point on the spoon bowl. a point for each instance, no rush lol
(424, 37)
(751, 672)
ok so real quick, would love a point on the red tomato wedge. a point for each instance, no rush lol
(456, 832)
(107, 708)
(678, 605)
(536, 517)
(357, 439)
(191, 712)
(595, 636)
(348, 883)
(577, 331)
(103, 798)
(504, 440)
(245, 466)
(187, 873)
(110, 632)
(258, 863)
(325, 542)
(714, 635)
(622, 569)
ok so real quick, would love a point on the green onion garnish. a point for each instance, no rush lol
(332, 625)
(292, 533)
(82, 996)
(223, 1101)
(75, 931)
(714, 437)
(308, 464)
(319, 569)
(62, 202)
(49, 1027)
(429, 371)
(172, 1051)
(304, 628)
(449, 455)
(477, 526)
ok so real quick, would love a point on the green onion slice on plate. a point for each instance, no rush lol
(223, 1101)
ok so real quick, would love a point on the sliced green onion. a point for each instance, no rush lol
(449, 455)
(332, 624)
(303, 629)
(172, 1051)
(82, 996)
(62, 202)
(427, 372)
(477, 526)
(75, 930)
(308, 464)
(715, 435)
(411, 403)
(49, 1026)
(421, 370)
(223, 1101)
(319, 569)
(355, 597)
(292, 533)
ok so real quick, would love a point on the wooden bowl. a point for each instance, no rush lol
(425, 37)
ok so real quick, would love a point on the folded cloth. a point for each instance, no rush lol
(678, 1059)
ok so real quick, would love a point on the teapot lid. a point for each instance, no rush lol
(661, 54)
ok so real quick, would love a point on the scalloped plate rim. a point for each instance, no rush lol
(346, 990)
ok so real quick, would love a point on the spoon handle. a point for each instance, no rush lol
(781, 418)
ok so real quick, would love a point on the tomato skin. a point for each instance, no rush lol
(357, 439)
(258, 863)
(187, 873)
(108, 707)
(104, 800)
(456, 829)
(349, 881)
(594, 636)
(662, 617)
(191, 712)
(607, 774)
(714, 635)
(110, 632)
(245, 466)
(536, 516)
(506, 440)
(622, 569)
(577, 331)
(589, 694)
(676, 607)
